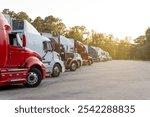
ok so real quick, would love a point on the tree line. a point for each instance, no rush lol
(117, 48)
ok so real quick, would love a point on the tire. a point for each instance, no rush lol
(56, 70)
(79, 64)
(34, 78)
(89, 62)
(99, 60)
(73, 66)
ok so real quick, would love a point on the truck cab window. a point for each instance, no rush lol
(47, 46)
(44, 46)
(13, 40)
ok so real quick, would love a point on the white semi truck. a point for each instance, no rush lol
(70, 52)
(102, 54)
(42, 45)
(66, 48)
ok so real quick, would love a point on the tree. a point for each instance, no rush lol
(97, 38)
(54, 25)
(9, 12)
(140, 40)
(79, 33)
(143, 46)
(38, 23)
(147, 35)
(23, 16)
(138, 47)
(123, 49)
(146, 47)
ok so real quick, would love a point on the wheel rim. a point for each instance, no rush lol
(73, 66)
(56, 70)
(32, 78)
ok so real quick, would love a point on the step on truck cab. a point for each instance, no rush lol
(18, 64)
(42, 45)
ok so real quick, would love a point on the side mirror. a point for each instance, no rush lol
(7, 27)
(24, 41)
(47, 51)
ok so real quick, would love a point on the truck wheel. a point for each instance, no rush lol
(56, 70)
(34, 78)
(89, 62)
(99, 60)
(73, 66)
(79, 64)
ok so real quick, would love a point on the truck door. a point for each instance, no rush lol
(48, 52)
(16, 53)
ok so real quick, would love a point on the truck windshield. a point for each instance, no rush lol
(47, 46)
(19, 40)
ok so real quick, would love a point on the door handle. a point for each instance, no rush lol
(10, 55)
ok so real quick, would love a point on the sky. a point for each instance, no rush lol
(121, 18)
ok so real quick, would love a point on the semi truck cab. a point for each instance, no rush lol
(65, 47)
(101, 54)
(93, 53)
(67, 52)
(18, 64)
(82, 50)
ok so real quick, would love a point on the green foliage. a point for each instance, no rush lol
(147, 35)
(143, 46)
(23, 16)
(146, 51)
(139, 41)
(97, 38)
(54, 26)
(79, 33)
(38, 23)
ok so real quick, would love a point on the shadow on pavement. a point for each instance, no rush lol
(11, 87)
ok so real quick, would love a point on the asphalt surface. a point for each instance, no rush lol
(113, 80)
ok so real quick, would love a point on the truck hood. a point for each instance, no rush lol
(33, 53)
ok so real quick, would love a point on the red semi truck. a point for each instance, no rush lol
(18, 64)
(81, 49)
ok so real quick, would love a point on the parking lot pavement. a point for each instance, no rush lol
(117, 79)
